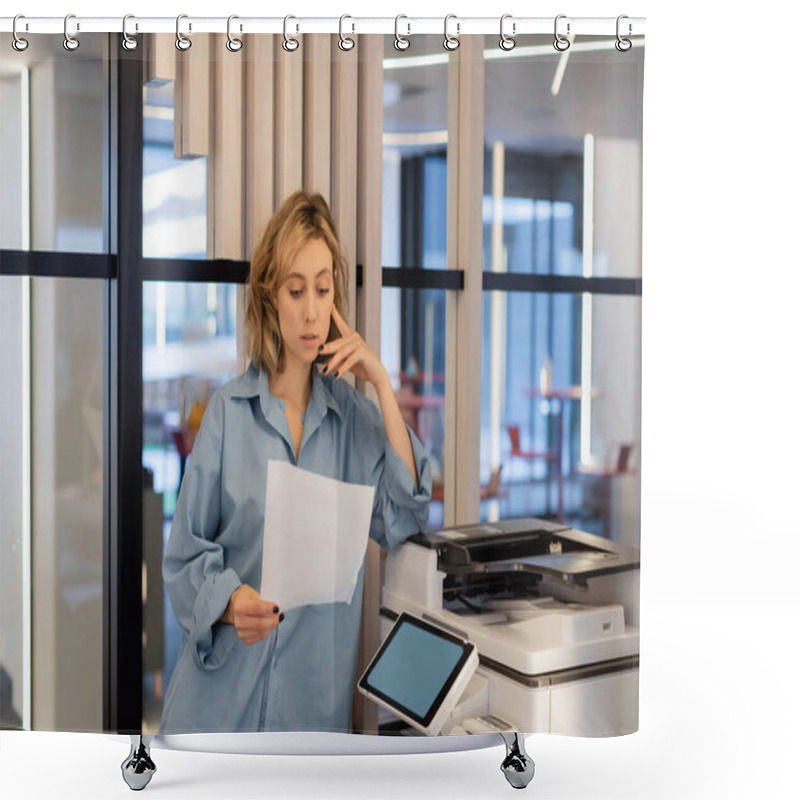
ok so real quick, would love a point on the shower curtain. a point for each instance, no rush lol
(486, 191)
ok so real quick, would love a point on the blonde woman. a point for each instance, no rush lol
(245, 665)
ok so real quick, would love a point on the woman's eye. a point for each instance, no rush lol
(295, 292)
(323, 291)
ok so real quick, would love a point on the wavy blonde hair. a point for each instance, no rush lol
(303, 216)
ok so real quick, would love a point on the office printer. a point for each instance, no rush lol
(553, 612)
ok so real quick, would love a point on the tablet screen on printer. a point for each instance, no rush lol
(416, 668)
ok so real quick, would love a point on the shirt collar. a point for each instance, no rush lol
(254, 382)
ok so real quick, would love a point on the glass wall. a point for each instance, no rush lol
(560, 416)
(53, 131)
(174, 189)
(415, 154)
(415, 238)
(419, 385)
(188, 350)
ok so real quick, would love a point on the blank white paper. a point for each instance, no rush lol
(315, 537)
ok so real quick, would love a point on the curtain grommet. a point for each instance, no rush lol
(507, 42)
(345, 42)
(128, 42)
(183, 43)
(290, 44)
(451, 43)
(233, 44)
(561, 43)
(70, 42)
(401, 43)
(18, 43)
(622, 44)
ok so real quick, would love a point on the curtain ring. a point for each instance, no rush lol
(507, 42)
(290, 44)
(70, 42)
(18, 43)
(623, 45)
(345, 42)
(181, 41)
(128, 42)
(451, 42)
(234, 45)
(400, 42)
(561, 43)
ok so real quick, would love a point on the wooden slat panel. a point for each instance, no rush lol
(228, 151)
(259, 173)
(288, 122)
(464, 311)
(368, 314)
(370, 184)
(469, 258)
(317, 114)
(159, 66)
(193, 99)
(451, 301)
(344, 155)
(259, 135)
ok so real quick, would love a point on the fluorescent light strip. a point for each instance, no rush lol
(534, 50)
(498, 350)
(432, 60)
(561, 68)
(586, 300)
(421, 139)
(495, 53)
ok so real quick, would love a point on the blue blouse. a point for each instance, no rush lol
(302, 676)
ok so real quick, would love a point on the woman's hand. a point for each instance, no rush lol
(350, 353)
(253, 618)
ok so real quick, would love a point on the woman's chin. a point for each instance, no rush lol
(300, 359)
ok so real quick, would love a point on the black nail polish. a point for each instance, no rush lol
(321, 346)
(335, 373)
(275, 609)
(282, 617)
(324, 369)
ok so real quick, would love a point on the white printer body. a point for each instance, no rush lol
(553, 612)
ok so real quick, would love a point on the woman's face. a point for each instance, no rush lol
(304, 302)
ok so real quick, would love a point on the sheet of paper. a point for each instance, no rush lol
(315, 537)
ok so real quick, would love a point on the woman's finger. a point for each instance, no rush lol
(335, 344)
(351, 362)
(341, 354)
(254, 629)
(341, 324)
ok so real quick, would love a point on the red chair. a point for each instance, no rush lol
(548, 456)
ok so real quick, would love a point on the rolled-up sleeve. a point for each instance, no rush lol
(198, 584)
(401, 505)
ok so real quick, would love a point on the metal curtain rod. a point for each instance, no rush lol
(408, 26)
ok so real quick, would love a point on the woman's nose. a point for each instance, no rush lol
(310, 307)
